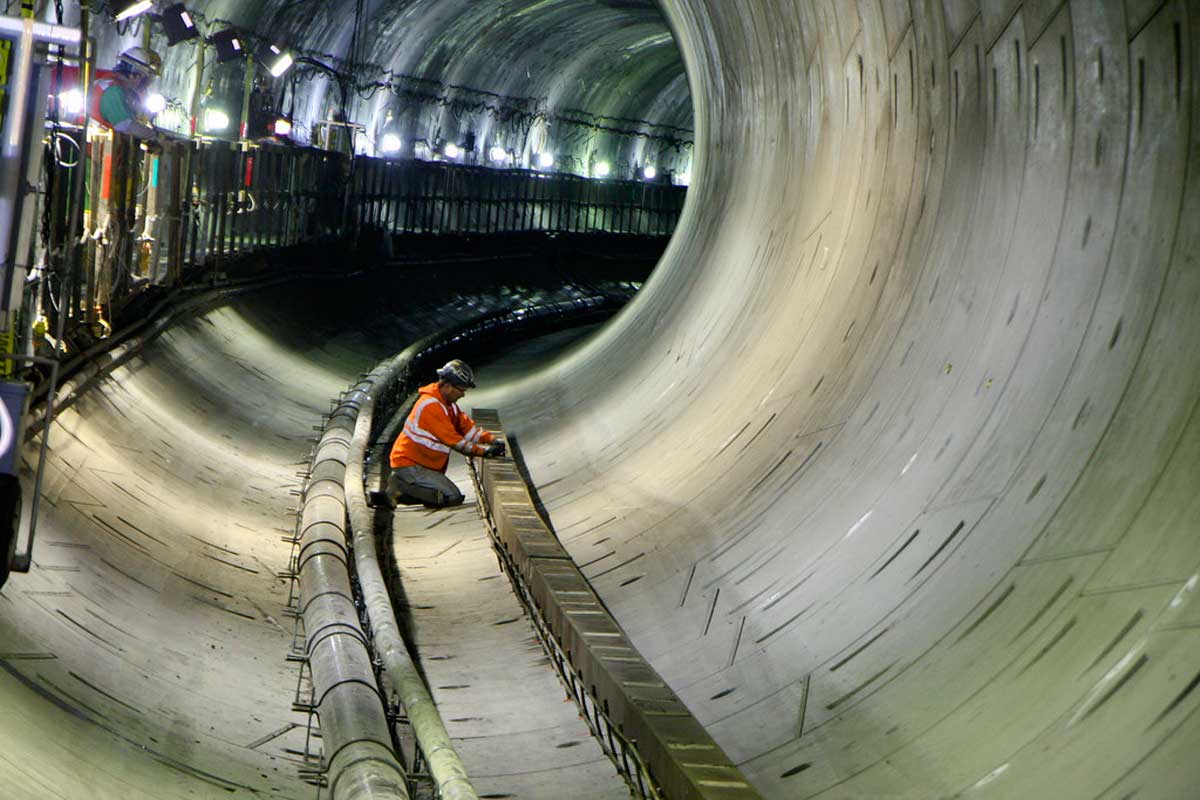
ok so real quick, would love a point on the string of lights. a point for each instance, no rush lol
(366, 80)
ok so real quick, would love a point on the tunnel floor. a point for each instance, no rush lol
(145, 655)
(514, 726)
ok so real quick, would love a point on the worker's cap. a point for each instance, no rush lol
(457, 373)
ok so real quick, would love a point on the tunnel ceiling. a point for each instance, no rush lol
(507, 70)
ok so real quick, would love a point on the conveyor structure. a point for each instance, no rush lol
(659, 746)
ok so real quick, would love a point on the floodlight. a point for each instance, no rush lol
(228, 45)
(130, 9)
(71, 101)
(649, 173)
(283, 127)
(155, 103)
(451, 150)
(178, 24)
(278, 60)
(602, 169)
(498, 154)
(282, 64)
(391, 143)
(215, 120)
(546, 160)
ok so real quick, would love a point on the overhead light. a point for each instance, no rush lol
(228, 45)
(71, 101)
(546, 160)
(391, 143)
(155, 103)
(451, 150)
(649, 173)
(128, 10)
(282, 61)
(498, 154)
(178, 24)
(283, 127)
(602, 169)
(215, 120)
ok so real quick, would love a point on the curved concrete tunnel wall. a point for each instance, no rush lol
(891, 468)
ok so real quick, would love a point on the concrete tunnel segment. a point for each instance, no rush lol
(891, 469)
(898, 489)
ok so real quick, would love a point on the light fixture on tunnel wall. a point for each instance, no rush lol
(71, 101)
(130, 9)
(602, 169)
(498, 154)
(178, 24)
(215, 120)
(451, 150)
(649, 173)
(155, 103)
(278, 60)
(391, 143)
(282, 127)
(228, 45)
(545, 160)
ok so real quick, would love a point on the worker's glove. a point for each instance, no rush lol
(495, 450)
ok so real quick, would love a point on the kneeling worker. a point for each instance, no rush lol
(435, 426)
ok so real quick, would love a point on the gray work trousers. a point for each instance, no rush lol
(429, 487)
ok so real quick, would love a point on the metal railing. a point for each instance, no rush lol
(119, 219)
(437, 197)
(179, 215)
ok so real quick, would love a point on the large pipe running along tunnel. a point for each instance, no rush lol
(892, 469)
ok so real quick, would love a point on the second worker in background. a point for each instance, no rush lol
(434, 427)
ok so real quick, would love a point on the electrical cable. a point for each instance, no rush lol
(58, 137)
(507, 110)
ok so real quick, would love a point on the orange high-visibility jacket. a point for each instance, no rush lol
(433, 428)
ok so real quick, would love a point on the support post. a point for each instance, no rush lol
(247, 88)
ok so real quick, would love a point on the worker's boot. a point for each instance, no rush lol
(379, 499)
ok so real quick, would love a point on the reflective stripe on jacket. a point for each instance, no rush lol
(434, 428)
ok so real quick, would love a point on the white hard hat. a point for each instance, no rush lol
(457, 372)
(142, 61)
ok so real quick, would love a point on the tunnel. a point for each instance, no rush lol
(891, 469)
